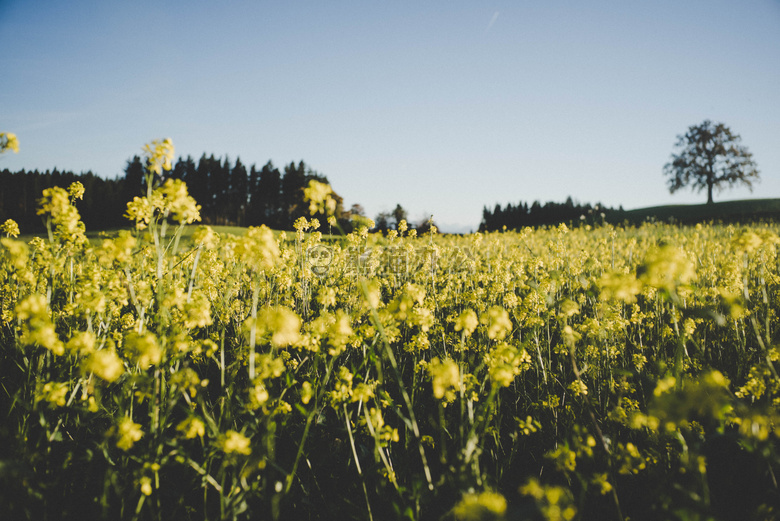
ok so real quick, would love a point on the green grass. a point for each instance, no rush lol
(96, 237)
(727, 211)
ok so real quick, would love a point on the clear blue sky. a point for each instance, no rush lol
(443, 107)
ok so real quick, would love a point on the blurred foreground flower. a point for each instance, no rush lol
(8, 141)
(192, 427)
(129, 432)
(235, 443)
(445, 377)
(486, 505)
(159, 155)
(319, 197)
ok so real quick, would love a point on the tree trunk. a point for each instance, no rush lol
(710, 178)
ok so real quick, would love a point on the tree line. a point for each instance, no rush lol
(515, 217)
(230, 193)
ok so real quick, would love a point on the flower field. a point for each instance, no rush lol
(588, 373)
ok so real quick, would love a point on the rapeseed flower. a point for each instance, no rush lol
(280, 323)
(159, 155)
(505, 362)
(556, 503)
(38, 328)
(176, 202)
(140, 210)
(9, 141)
(105, 364)
(82, 342)
(76, 190)
(10, 228)
(53, 392)
(319, 197)
(233, 442)
(307, 392)
(68, 227)
(258, 248)
(197, 311)
(18, 253)
(128, 432)
(480, 507)
(445, 378)
(667, 268)
(191, 428)
(467, 322)
(497, 321)
(144, 349)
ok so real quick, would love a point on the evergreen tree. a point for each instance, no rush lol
(399, 214)
(237, 200)
(293, 183)
(266, 197)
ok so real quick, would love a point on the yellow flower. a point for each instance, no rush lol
(363, 392)
(144, 349)
(10, 228)
(186, 380)
(485, 505)
(342, 390)
(192, 427)
(206, 237)
(53, 392)
(619, 286)
(497, 320)
(105, 364)
(81, 342)
(17, 251)
(258, 395)
(569, 308)
(339, 333)
(664, 385)
(66, 219)
(505, 362)
(579, 388)
(128, 432)
(307, 393)
(570, 337)
(159, 155)
(235, 443)
(140, 211)
(319, 197)
(445, 377)
(8, 141)
(76, 190)
(177, 201)
(556, 503)
(146, 485)
(667, 268)
(283, 325)
(258, 248)
(198, 311)
(467, 322)
(37, 325)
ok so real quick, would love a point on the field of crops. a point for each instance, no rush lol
(588, 373)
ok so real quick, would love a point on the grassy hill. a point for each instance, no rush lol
(749, 210)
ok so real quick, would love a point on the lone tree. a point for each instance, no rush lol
(710, 156)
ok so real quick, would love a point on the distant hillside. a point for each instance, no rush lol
(728, 212)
